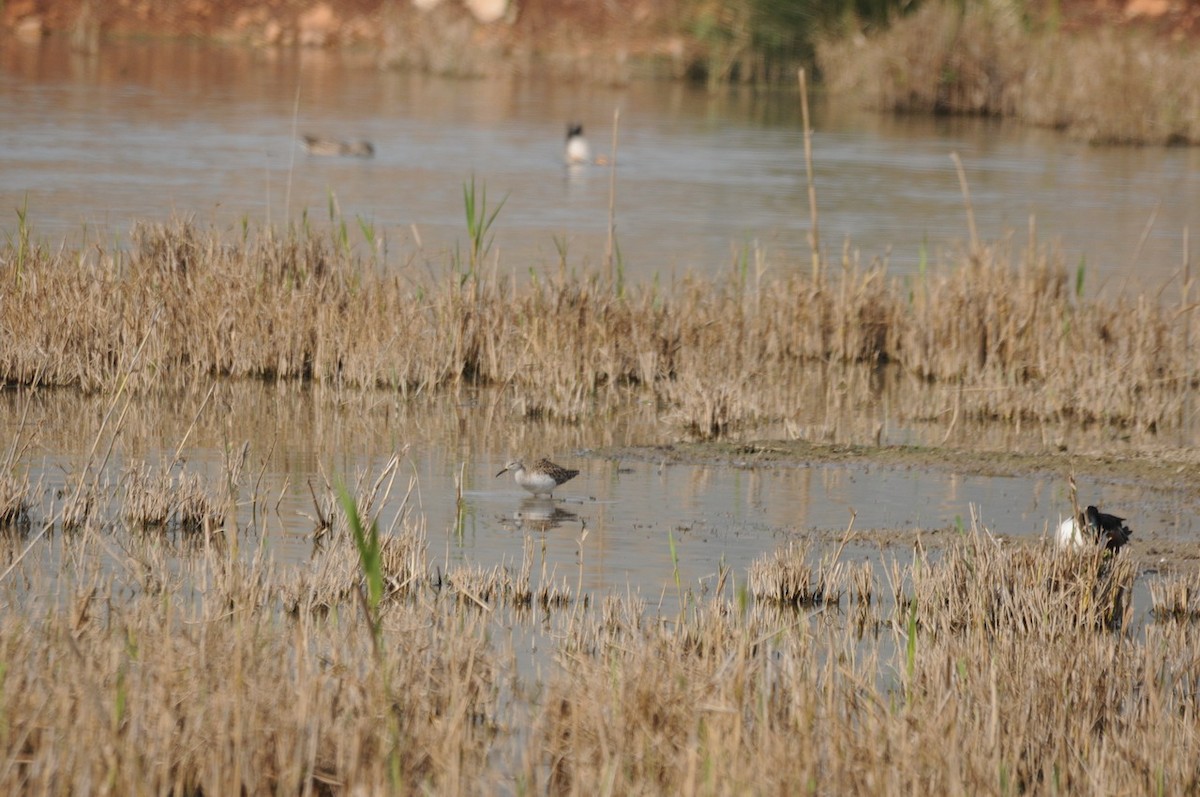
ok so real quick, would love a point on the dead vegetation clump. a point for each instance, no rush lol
(983, 586)
(488, 588)
(788, 578)
(988, 59)
(157, 499)
(333, 576)
(81, 507)
(16, 503)
(1004, 336)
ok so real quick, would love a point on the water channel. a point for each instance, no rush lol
(144, 130)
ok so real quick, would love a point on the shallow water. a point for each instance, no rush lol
(619, 526)
(146, 130)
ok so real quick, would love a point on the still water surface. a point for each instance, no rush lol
(148, 130)
(634, 511)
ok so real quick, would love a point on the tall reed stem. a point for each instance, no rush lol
(610, 246)
(814, 235)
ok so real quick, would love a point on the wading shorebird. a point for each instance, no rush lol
(542, 478)
(318, 145)
(578, 151)
(1093, 527)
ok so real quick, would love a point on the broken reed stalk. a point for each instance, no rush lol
(195, 419)
(1147, 228)
(287, 193)
(966, 192)
(814, 235)
(1073, 491)
(1185, 309)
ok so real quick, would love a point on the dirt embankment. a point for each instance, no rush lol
(610, 41)
(614, 40)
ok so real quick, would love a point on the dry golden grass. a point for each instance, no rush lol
(1003, 336)
(984, 59)
(133, 667)
(15, 503)
(789, 579)
(1001, 678)
(158, 694)
(157, 499)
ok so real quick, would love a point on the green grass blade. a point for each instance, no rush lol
(366, 541)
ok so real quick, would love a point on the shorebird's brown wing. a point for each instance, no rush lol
(558, 472)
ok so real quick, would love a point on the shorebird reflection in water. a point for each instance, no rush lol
(1093, 527)
(542, 478)
(330, 147)
(542, 514)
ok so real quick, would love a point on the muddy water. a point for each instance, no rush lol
(147, 130)
(613, 528)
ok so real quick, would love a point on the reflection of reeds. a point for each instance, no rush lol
(1010, 338)
(1176, 597)
(16, 495)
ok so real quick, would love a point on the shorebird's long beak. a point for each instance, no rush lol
(503, 471)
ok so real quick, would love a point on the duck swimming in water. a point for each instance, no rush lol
(578, 150)
(331, 147)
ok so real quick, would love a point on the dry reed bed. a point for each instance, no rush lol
(1002, 682)
(1004, 331)
(222, 695)
(987, 59)
(1000, 669)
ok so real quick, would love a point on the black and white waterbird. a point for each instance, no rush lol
(1093, 527)
(578, 150)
